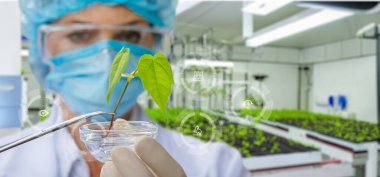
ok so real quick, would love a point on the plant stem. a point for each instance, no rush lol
(118, 102)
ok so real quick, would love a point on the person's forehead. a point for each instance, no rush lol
(103, 14)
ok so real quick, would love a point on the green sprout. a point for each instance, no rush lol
(248, 140)
(338, 127)
(154, 72)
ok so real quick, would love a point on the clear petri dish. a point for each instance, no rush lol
(100, 141)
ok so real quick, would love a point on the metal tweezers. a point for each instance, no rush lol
(50, 130)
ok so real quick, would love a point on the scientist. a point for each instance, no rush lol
(72, 44)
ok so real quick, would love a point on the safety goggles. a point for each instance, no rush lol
(57, 39)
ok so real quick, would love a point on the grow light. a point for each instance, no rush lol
(264, 7)
(299, 23)
(208, 63)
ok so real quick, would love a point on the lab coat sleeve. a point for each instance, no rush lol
(5, 161)
(7, 157)
(230, 163)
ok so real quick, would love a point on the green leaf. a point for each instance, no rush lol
(157, 77)
(117, 68)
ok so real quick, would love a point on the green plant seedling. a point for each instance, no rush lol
(155, 74)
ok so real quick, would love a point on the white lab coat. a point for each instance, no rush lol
(57, 155)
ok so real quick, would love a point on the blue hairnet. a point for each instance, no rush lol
(160, 13)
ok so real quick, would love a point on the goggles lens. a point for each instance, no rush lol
(57, 39)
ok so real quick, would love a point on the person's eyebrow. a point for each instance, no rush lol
(136, 22)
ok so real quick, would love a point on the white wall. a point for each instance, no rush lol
(353, 66)
(279, 63)
(351, 48)
(344, 68)
(266, 54)
(280, 87)
(10, 38)
(281, 83)
(355, 78)
(283, 77)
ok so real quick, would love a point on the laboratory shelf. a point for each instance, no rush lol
(282, 161)
(323, 138)
(258, 148)
(333, 126)
(362, 155)
(326, 169)
(348, 140)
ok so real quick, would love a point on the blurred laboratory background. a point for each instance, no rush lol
(293, 86)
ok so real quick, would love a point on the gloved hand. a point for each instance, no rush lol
(150, 160)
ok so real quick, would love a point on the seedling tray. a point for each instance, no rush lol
(333, 126)
(247, 139)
